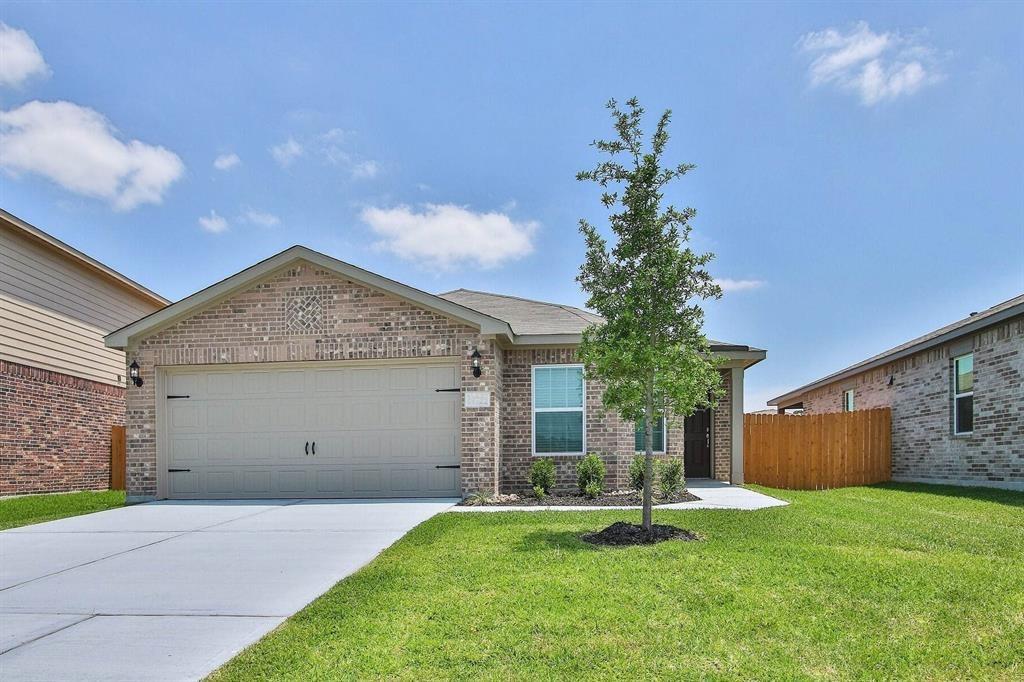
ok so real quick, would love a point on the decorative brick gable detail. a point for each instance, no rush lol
(259, 325)
(55, 430)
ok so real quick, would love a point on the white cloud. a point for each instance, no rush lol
(365, 169)
(79, 149)
(213, 223)
(20, 58)
(261, 218)
(738, 284)
(443, 236)
(286, 152)
(226, 161)
(874, 66)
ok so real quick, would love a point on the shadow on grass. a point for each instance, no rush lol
(1012, 498)
(549, 539)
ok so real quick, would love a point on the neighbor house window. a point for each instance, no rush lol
(558, 418)
(657, 436)
(963, 394)
(848, 401)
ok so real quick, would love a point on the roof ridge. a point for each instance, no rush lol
(518, 298)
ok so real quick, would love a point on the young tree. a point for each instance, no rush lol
(650, 352)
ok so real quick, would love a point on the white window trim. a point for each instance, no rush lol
(852, 404)
(965, 394)
(664, 441)
(534, 410)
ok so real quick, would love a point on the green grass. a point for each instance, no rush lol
(22, 511)
(895, 581)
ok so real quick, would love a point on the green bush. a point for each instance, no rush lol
(671, 474)
(542, 474)
(590, 475)
(636, 473)
(539, 493)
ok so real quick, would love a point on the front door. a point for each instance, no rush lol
(697, 444)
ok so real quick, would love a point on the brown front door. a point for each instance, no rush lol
(697, 444)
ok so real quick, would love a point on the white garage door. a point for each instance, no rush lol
(338, 430)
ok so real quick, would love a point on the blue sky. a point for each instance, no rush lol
(860, 167)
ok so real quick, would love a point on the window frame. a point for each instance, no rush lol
(664, 439)
(964, 394)
(534, 410)
(851, 405)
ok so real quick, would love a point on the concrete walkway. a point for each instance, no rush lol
(172, 590)
(712, 494)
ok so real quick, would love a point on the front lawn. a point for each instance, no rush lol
(21, 511)
(896, 581)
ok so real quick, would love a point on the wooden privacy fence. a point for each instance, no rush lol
(117, 470)
(816, 451)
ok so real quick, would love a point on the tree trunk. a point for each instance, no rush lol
(648, 457)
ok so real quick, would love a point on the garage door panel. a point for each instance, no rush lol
(379, 431)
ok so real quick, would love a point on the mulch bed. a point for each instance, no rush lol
(609, 499)
(621, 533)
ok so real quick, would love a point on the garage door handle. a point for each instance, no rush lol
(448, 466)
(307, 447)
(177, 471)
(314, 447)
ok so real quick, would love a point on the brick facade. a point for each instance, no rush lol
(306, 313)
(55, 430)
(921, 398)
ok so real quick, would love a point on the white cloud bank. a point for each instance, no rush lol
(444, 236)
(77, 148)
(226, 161)
(729, 285)
(874, 66)
(213, 223)
(20, 58)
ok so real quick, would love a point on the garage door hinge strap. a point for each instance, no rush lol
(448, 466)
(175, 397)
(177, 471)
(447, 390)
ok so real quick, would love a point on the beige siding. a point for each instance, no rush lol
(54, 312)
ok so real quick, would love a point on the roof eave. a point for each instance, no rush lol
(952, 335)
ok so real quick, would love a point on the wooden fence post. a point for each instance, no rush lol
(117, 458)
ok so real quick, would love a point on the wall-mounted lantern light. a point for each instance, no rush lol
(476, 362)
(133, 373)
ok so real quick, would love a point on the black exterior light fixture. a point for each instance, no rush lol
(476, 362)
(133, 373)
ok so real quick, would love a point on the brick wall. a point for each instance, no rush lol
(55, 430)
(921, 398)
(606, 433)
(305, 313)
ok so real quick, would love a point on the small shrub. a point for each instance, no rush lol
(478, 498)
(636, 473)
(590, 475)
(671, 474)
(542, 474)
(539, 492)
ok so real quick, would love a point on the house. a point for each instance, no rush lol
(956, 395)
(304, 376)
(61, 389)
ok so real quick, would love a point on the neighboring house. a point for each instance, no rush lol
(303, 376)
(957, 399)
(61, 389)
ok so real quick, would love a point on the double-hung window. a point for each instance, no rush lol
(657, 436)
(963, 394)
(848, 400)
(558, 411)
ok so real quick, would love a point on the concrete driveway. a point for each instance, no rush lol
(171, 590)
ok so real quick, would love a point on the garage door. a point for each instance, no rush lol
(336, 430)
